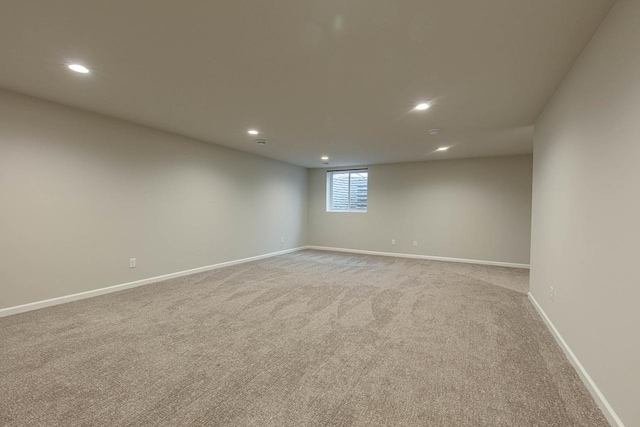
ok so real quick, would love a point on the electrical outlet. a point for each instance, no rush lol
(282, 240)
(132, 263)
(415, 243)
(393, 241)
(551, 292)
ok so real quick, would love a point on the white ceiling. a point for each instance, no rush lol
(317, 77)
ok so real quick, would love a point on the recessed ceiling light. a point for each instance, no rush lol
(421, 107)
(324, 158)
(78, 68)
(253, 132)
(434, 132)
(443, 149)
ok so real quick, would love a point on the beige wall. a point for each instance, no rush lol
(473, 209)
(586, 210)
(81, 194)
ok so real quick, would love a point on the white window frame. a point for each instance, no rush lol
(329, 190)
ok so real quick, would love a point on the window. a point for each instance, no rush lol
(347, 190)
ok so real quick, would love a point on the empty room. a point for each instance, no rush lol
(320, 213)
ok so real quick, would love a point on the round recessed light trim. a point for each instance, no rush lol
(434, 132)
(79, 68)
(443, 148)
(261, 141)
(252, 132)
(325, 158)
(422, 106)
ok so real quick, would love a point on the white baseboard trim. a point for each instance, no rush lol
(429, 257)
(115, 288)
(602, 402)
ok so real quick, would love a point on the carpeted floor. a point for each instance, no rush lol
(305, 339)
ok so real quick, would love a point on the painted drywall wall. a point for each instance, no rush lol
(586, 209)
(81, 193)
(472, 209)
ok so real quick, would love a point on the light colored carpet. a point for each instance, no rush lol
(305, 339)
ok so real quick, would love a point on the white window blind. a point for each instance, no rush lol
(347, 190)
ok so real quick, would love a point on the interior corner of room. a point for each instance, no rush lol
(311, 219)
